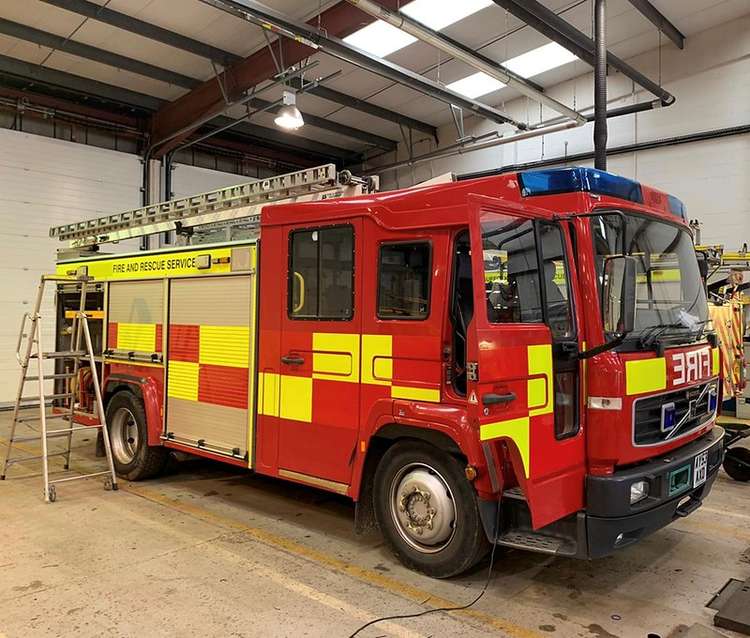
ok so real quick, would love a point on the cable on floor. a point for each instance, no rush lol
(444, 609)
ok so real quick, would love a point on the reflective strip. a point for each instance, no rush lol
(377, 361)
(268, 393)
(139, 337)
(296, 398)
(645, 375)
(415, 394)
(715, 358)
(224, 345)
(336, 356)
(539, 388)
(517, 430)
(183, 380)
(155, 266)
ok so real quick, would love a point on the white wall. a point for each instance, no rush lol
(46, 182)
(711, 81)
(189, 180)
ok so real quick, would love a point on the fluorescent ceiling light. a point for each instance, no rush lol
(438, 14)
(476, 85)
(379, 38)
(537, 61)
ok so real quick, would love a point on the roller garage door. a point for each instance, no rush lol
(46, 182)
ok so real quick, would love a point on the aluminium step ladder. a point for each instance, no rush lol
(80, 349)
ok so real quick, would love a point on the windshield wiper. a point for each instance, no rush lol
(648, 340)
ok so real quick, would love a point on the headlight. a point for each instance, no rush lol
(638, 491)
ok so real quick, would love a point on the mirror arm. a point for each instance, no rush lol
(610, 345)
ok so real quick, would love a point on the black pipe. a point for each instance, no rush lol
(548, 23)
(600, 84)
(691, 138)
(628, 110)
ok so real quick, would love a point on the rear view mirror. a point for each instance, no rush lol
(619, 294)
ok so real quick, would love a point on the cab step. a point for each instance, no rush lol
(535, 542)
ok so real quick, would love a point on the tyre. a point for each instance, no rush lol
(134, 459)
(427, 510)
(737, 463)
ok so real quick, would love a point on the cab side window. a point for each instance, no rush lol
(404, 281)
(321, 273)
(511, 270)
(555, 282)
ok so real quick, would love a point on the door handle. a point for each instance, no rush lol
(494, 399)
(291, 360)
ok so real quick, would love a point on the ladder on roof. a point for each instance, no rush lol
(225, 205)
(80, 349)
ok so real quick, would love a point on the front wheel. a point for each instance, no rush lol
(134, 459)
(427, 510)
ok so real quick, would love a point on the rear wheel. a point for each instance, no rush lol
(427, 510)
(737, 463)
(134, 459)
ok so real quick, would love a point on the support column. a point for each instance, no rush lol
(600, 84)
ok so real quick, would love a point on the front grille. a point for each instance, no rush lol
(648, 414)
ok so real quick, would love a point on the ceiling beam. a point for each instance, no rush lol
(127, 23)
(208, 99)
(29, 34)
(53, 41)
(363, 106)
(33, 74)
(145, 29)
(325, 124)
(319, 39)
(548, 23)
(660, 21)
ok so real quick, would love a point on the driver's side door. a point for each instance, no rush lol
(525, 392)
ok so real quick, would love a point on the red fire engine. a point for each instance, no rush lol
(518, 359)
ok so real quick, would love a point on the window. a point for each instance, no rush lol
(511, 273)
(670, 297)
(321, 273)
(404, 281)
(555, 282)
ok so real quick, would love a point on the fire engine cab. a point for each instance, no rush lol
(520, 359)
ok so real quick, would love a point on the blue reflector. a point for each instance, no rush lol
(569, 180)
(667, 417)
(713, 400)
(677, 207)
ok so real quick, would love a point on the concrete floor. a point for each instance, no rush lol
(210, 551)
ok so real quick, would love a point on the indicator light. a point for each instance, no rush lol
(668, 414)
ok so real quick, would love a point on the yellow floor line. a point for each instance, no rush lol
(363, 574)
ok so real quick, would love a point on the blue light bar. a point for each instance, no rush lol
(570, 180)
(677, 207)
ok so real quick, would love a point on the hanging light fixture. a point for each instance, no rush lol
(289, 116)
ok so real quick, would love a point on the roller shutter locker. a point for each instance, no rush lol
(209, 380)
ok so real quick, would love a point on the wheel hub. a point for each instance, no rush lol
(124, 435)
(423, 508)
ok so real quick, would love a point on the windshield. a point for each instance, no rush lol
(670, 297)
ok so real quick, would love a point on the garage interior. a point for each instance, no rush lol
(108, 106)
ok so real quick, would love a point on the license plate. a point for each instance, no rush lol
(700, 469)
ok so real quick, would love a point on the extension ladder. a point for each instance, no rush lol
(79, 336)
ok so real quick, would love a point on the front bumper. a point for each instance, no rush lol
(609, 521)
(612, 523)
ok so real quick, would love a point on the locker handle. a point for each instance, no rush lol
(494, 399)
(292, 360)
